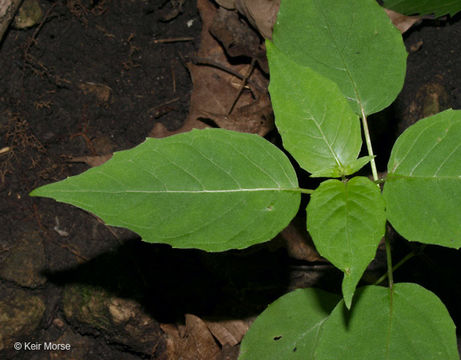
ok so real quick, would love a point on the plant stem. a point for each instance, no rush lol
(398, 265)
(407, 257)
(369, 147)
(390, 275)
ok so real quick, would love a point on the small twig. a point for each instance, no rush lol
(37, 30)
(242, 85)
(84, 132)
(162, 109)
(212, 63)
(38, 219)
(173, 79)
(173, 40)
(72, 250)
(164, 103)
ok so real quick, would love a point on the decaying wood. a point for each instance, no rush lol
(8, 9)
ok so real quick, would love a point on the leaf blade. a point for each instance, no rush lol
(347, 222)
(289, 327)
(316, 123)
(352, 43)
(416, 326)
(424, 7)
(211, 189)
(424, 181)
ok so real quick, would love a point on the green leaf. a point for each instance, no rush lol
(317, 125)
(349, 169)
(211, 189)
(289, 328)
(414, 325)
(424, 7)
(347, 221)
(423, 186)
(356, 165)
(353, 43)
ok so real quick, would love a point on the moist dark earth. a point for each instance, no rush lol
(95, 77)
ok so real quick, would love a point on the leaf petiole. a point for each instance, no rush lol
(305, 191)
(366, 132)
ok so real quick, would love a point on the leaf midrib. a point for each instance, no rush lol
(358, 100)
(178, 191)
(426, 177)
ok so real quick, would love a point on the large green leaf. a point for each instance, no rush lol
(347, 221)
(423, 186)
(424, 7)
(210, 189)
(416, 326)
(316, 123)
(351, 42)
(289, 328)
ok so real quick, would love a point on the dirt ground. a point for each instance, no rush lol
(95, 77)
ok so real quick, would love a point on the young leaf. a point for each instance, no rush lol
(289, 328)
(346, 222)
(210, 189)
(353, 43)
(424, 7)
(317, 125)
(414, 325)
(423, 186)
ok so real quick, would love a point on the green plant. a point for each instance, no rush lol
(332, 64)
(436, 7)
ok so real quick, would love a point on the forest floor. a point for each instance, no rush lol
(94, 77)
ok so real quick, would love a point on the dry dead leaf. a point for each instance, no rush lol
(416, 46)
(256, 117)
(101, 145)
(260, 13)
(229, 332)
(193, 341)
(200, 341)
(297, 241)
(159, 130)
(431, 98)
(298, 244)
(402, 22)
(172, 339)
(100, 91)
(227, 4)
(216, 89)
(91, 160)
(171, 10)
(237, 38)
(230, 96)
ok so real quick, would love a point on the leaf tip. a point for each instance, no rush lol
(37, 192)
(348, 288)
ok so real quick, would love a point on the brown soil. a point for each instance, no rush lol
(95, 77)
